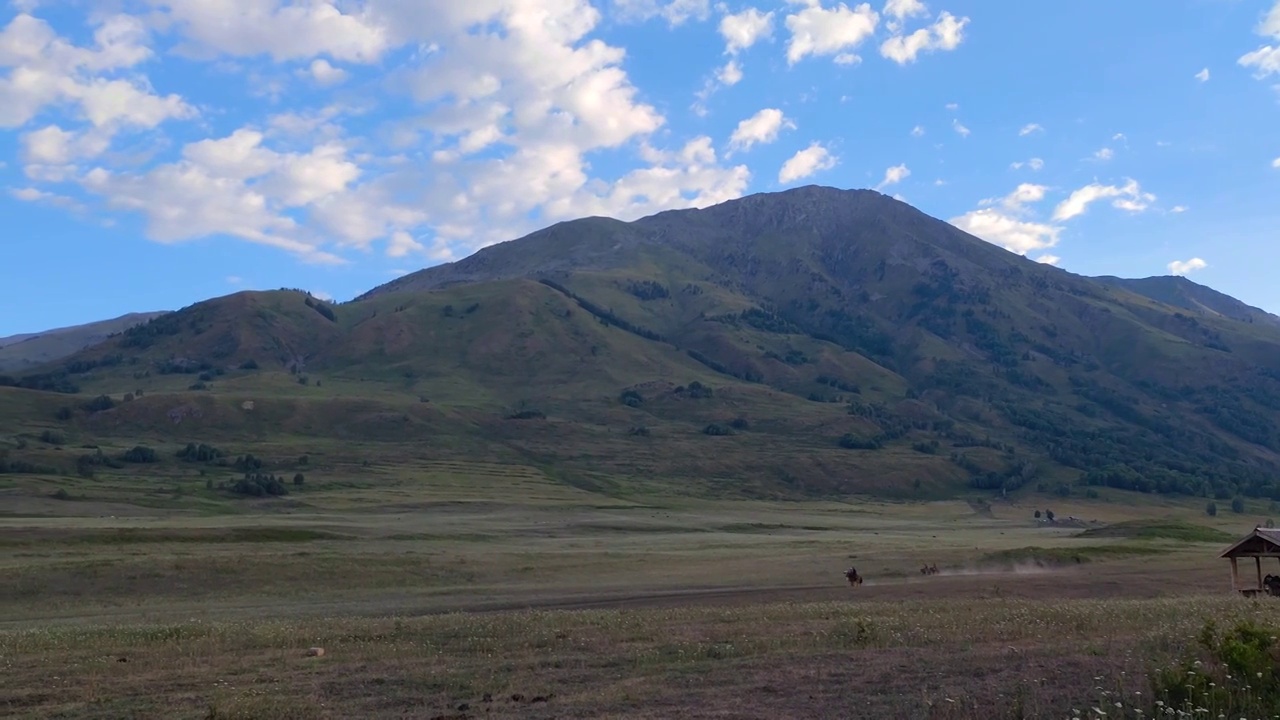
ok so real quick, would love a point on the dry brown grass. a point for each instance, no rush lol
(923, 659)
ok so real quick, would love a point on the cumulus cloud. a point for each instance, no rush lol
(1030, 128)
(902, 9)
(1129, 197)
(960, 128)
(761, 128)
(1104, 154)
(1034, 164)
(675, 12)
(48, 70)
(324, 73)
(1049, 259)
(1276, 163)
(742, 30)
(816, 30)
(1186, 267)
(1203, 75)
(1004, 221)
(917, 131)
(945, 34)
(282, 31)
(1266, 59)
(893, 176)
(1011, 233)
(809, 161)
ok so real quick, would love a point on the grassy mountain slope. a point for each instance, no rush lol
(19, 352)
(1184, 294)
(810, 341)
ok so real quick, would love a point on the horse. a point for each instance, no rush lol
(929, 569)
(853, 577)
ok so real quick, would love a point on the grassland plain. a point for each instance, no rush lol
(467, 590)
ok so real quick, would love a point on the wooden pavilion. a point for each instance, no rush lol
(1261, 543)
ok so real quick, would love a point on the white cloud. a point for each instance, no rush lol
(903, 9)
(953, 106)
(742, 30)
(894, 175)
(675, 12)
(1007, 225)
(1049, 259)
(47, 70)
(1030, 128)
(233, 186)
(1015, 202)
(960, 128)
(1275, 163)
(325, 74)
(1178, 209)
(1011, 233)
(1186, 267)
(806, 162)
(1034, 164)
(402, 243)
(1203, 75)
(234, 280)
(1129, 197)
(945, 34)
(730, 74)
(761, 128)
(292, 31)
(917, 131)
(1266, 59)
(816, 30)
(51, 145)
(1104, 154)
(1271, 24)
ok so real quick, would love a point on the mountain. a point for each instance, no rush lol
(18, 352)
(1182, 293)
(812, 341)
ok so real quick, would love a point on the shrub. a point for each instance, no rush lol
(49, 437)
(639, 431)
(62, 494)
(716, 430)
(299, 479)
(99, 404)
(249, 364)
(849, 441)
(1237, 505)
(1231, 675)
(140, 454)
(1211, 509)
(199, 453)
(631, 398)
(527, 415)
(740, 423)
(64, 414)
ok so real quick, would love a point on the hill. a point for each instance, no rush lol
(19, 352)
(1180, 292)
(814, 341)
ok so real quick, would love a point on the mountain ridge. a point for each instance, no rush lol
(32, 349)
(839, 341)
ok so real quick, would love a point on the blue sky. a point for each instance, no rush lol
(154, 153)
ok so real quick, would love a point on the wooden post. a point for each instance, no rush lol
(1235, 576)
(1258, 561)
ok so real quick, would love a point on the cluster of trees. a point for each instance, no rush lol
(201, 453)
(319, 306)
(605, 316)
(648, 290)
(695, 391)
